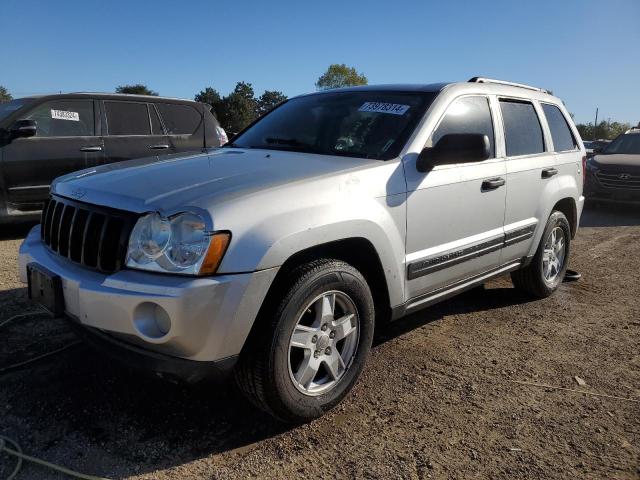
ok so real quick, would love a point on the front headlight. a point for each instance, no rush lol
(179, 244)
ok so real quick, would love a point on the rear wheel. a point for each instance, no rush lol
(307, 354)
(544, 274)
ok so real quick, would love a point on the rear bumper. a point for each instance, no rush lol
(198, 319)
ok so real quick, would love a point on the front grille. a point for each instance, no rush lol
(619, 179)
(92, 236)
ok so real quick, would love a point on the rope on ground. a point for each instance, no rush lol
(15, 366)
(15, 317)
(594, 394)
(16, 451)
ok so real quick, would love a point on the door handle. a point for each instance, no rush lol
(163, 146)
(549, 172)
(91, 148)
(492, 183)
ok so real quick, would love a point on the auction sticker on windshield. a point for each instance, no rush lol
(64, 115)
(379, 107)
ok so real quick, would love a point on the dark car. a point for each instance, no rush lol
(44, 137)
(613, 175)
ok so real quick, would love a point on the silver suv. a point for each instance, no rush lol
(275, 256)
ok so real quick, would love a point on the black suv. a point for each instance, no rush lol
(44, 137)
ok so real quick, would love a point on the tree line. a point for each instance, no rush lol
(241, 107)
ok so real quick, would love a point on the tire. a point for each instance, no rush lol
(270, 365)
(532, 279)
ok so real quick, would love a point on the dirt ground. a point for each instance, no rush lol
(438, 398)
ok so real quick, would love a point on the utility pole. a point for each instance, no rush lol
(595, 125)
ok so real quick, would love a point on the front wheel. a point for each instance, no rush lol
(544, 274)
(305, 357)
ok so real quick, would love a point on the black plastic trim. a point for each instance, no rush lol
(434, 264)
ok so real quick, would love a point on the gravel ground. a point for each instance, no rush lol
(439, 398)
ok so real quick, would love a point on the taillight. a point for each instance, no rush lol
(584, 169)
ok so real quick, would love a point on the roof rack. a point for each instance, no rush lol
(503, 82)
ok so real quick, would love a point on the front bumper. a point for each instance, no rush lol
(594, 189)
(208, 318)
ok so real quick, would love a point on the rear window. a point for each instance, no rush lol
(127, 118)
(63, 118)
(522, 130)
(561, 135)
(179, 119)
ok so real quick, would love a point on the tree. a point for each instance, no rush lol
(269, 100)
(338, 76)
(137, 89)
(211, 97)
(5, 96)
(238, 109)
(607, 130)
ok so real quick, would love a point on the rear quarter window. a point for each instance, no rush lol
(561, 135)
(522, 130)
(179, 119)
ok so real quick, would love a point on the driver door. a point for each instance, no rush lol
(454, 216)
(65, 141)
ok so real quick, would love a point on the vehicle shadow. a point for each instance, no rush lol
(122, 423)
(610, 215)
(479, 299)
(16, 231)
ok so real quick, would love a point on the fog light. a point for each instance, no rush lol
(151, 320)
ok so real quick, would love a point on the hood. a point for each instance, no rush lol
(178, 181)
(622, 160)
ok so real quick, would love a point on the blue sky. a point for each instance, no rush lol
(586, 51)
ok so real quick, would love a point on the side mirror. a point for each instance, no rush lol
(23, 128)
(455, 148)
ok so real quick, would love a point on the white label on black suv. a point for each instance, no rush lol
(64, 115)
(379, 107)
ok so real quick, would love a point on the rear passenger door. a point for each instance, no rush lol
(134, 130)
(184, 126)
(531, 174)
(454, 216)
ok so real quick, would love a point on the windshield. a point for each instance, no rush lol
(368, 124)
(625, 144)
(8, 108)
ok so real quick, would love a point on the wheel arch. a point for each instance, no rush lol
(568, 207)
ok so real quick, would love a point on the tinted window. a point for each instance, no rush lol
(467, 115)
(628, 144)
(522, 130)
(560, 131)
(127, 118)
(368, 124)
(156, 126)
(63, 118)
(7, 108)
(179, 119)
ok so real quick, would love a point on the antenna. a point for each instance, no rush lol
(204, 131)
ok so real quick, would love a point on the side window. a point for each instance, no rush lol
(467, 115)
(156, 126)
(179, 119)
(563, 139)
(522, 130)
(127, 118)
(64, 118)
